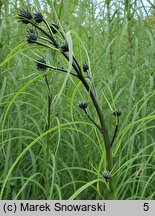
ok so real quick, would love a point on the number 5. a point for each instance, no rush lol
(146, 207)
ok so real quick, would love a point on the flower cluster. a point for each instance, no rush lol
(83, 105)
(26, 17)
(106, 175)
(85, 67)
(31, 36)
(64, 48)
(38, 17)
(117, 112)
(41, 64)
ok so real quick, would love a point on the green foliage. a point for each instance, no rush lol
(119, 47)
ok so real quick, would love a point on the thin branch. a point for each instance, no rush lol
(91, 119)
(61, 69)
(115, 132)
(43, 31)
(41, 44)
(50, 31)
(45, 39)
(49, 103)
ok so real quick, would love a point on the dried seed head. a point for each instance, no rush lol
(41, 64)
(106, 176)
(83, 105)
(38, 17)
(54, 28)
(25, 16)
(85, 67)
(31, 36)
(117, 112)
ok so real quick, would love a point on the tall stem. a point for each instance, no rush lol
(109, 20)
(104, 133)
(48, 125)
(103, 130)
(1, 46)
(130, 42)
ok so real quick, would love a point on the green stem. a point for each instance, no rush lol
(1, 46)
(110, 36)
(47, 138)
(130, 43)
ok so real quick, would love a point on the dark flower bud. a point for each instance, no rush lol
(54, 28)
(83, 105)
(25, 16)
(41, 64)
(106, 176)
(117, 112)
(85, 67)
(38, 17)
(65, 48)
(31, 36)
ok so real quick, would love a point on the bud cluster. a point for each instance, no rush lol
(83, 105)
(41, 64)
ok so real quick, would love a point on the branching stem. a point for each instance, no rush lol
(91, 91)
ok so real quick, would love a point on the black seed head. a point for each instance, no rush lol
(106, 176)
(38, 17)
(31, 36)
(117, 112)
(83, 105)
(25, 16)
(65, 48)
(54, 28)
(85, 67)
(41, 64)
